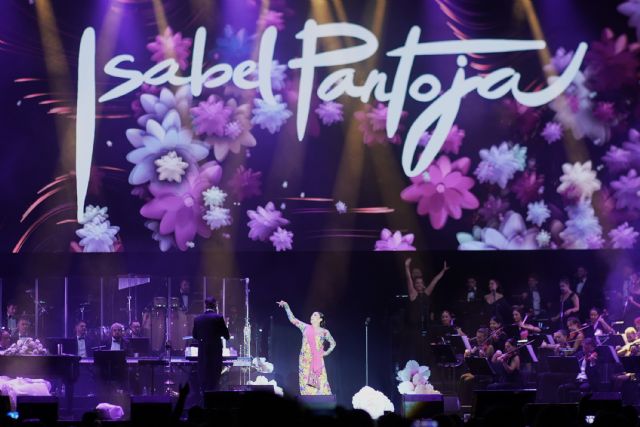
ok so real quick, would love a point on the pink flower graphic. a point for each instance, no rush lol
(443, 191)
(170, 45)
(394, 241)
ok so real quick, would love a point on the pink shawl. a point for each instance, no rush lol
(317, 362)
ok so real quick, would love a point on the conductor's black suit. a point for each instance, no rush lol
(208, 328)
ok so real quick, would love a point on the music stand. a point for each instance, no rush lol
(563, 364)
(631, 364)
(480, 366)
(140, 346)
(611, 339)
(111, 364)
(460, 343)
(527, 354)
(437, 332)
(607, 354)
(443, 354)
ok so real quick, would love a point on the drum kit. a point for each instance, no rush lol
(167, 324)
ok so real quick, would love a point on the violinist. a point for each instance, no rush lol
(560, 345)
(468, 381)
(483, 347)
(575, 335)
(509, 363)
(597, 325)
(497, 336)
(588, 372)
(523, 328)
(632, 343)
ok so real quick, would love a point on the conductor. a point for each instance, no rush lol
(208, 329)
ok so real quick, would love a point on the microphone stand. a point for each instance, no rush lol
(366, 350)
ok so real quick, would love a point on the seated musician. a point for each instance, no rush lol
(586, 380)
(523, 328)
(483, 347)
(508, 364)
(560, 346)
(117, 340)
(575, 335)
(632, 344)
(5, 339)
(135, 330)
(468, 381)
(84, 345)
(447, 319)
(597, 325)
(497, 336)
(24, 329)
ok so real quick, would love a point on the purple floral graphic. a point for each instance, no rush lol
(264, 221)
(179, 208)
(512, 234)
(282, 239)
(245, 183)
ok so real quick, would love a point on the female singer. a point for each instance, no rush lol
(569, 302)
(495, 302)
(312, 374)
(523, 328)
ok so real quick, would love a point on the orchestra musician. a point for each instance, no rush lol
(11, 323)
(117, 341)
(588, 375)
(597, 325)
(135, 330)
(83, 344)
(23, 330)
(632, 343)
(5, 339)
(575, 335)
(523, 328)
(468, 382)
(497, 336)
(560, 345)
(509, 364)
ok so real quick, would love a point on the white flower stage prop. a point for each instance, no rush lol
(372, 401)
(14, 387)
(414, 379)
(109, 412)
(262, 380)
(261, 365)
(25, 347)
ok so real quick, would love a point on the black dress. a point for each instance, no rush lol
(564, 306)
(631, 311)
(499, 308)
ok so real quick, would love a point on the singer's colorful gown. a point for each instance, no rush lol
(305, 373)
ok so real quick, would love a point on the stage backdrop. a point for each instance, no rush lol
(143, 126)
